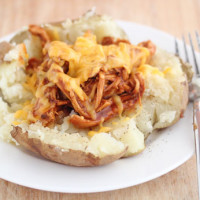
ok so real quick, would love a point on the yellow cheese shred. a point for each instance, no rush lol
(30, 83)
(102, 129)
(22, 115)
(148, 69)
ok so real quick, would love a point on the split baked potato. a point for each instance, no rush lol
(51, 105)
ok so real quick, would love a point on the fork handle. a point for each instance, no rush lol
(196, 126)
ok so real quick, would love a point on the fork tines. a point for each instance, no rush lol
(185, 49)
(192, 48)
(193, 53)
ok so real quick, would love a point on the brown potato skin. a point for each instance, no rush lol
(4, 48)
(54, 153)
(185, 99)
(184, 102)
(188, 73)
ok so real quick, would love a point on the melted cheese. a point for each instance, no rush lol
(86, 58)
(148, 69)
(167, 70)
(30, 83)
(22, 115)
(56, 75)
(102, 129)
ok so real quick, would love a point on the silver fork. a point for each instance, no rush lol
(194, 96)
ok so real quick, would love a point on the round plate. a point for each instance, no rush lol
(164, 151)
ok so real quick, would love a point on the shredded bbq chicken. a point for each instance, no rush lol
(100, 94)
(40, 32)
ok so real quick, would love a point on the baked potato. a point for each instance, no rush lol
(45, 104)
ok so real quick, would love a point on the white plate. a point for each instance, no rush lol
(164, 152)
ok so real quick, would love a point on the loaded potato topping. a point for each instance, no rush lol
(97, 81)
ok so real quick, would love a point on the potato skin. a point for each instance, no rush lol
(56, 154)
(4, 48)
(185, 99)
(184, 102)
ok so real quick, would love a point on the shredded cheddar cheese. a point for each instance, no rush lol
(68, 67)
(22, 115)
(167, 70)
(148, 69)
(30, 83)
(86, 57)
(102, 129)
